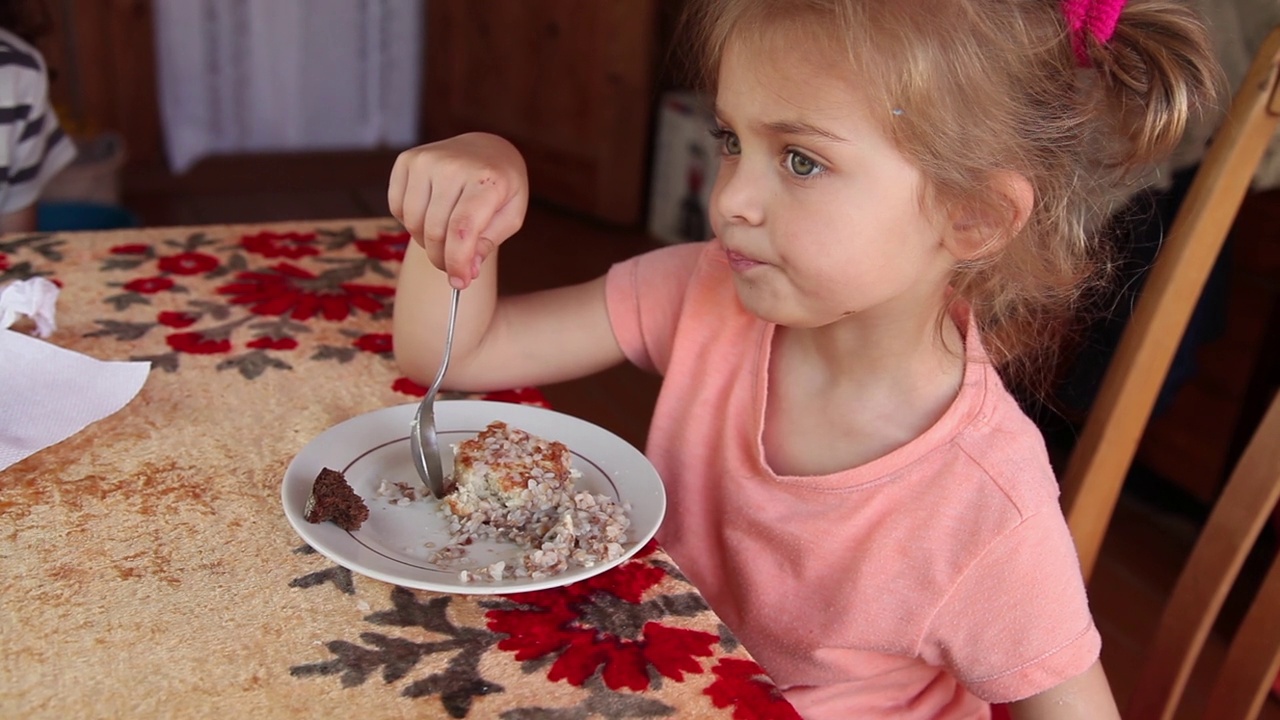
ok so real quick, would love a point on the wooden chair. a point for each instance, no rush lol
(1253, 659)
(1109, 440)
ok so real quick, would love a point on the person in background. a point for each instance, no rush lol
(33, 147)
(903, 220)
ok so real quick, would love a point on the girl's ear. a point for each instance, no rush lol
(981, 228)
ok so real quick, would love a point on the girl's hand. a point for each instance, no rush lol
(459, 199)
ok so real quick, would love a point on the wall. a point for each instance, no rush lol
(102, 64)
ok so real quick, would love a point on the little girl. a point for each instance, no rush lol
(901, 212)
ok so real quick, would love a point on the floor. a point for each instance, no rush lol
(1139, 561)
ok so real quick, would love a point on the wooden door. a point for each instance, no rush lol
(570, 82)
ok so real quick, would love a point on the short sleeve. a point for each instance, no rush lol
(645, 295)
(1018, 622)
(33, 147)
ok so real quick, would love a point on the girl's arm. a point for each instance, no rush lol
(535, 339)
(1084, 697)
(459, 199)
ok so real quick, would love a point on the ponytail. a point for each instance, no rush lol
(1155, 72)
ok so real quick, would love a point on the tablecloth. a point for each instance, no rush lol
(149, 570)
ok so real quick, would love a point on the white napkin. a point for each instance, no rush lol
(35, 298)
(48, 393)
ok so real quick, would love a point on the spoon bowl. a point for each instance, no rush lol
(423, 441)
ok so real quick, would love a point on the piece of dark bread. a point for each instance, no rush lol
(333, 499)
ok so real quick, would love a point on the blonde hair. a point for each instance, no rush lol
(973, 88)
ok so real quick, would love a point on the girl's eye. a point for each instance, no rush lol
(729, 142)
(802, 166)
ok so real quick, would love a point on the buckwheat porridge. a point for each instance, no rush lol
(514, 486)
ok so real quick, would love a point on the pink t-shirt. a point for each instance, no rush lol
(918, 585)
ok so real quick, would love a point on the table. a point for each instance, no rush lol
(149, 569)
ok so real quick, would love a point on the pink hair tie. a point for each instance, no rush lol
(1095, 17)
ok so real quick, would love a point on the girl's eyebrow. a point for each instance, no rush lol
(791, 127)
(804, 129)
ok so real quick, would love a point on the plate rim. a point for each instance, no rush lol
(305, 530)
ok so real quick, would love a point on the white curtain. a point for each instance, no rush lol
(287, 75)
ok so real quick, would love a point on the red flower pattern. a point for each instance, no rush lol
(149, 286)
(387, 246)
(289, 290)
(197, 344)
(408, 387)
(744, 686)
(176, 319)
(188, 263)
(375, 343)
(557, 622)
(270, 343)
(292, 245)
(131, 249)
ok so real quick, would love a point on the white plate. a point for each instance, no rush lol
(392, 545)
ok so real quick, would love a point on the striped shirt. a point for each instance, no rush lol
(33, 147)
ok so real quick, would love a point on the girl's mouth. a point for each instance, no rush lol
(739, 262)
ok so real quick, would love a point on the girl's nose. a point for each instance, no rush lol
(736, 196)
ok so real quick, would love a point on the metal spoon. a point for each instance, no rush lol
(423, 442)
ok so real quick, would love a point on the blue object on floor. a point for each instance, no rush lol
(58, 216)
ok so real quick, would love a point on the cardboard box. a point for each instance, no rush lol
(685, 160)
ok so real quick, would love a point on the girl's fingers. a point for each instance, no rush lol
(417, 198)
(484, 247)
(505, 223)
(459, 199)
(396, 187)
(472, 215)
(435, 223)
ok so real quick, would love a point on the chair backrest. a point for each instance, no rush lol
(1109, 440)
(1253, 658)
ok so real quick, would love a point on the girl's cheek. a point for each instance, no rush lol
(713, 210)
(718, 208)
